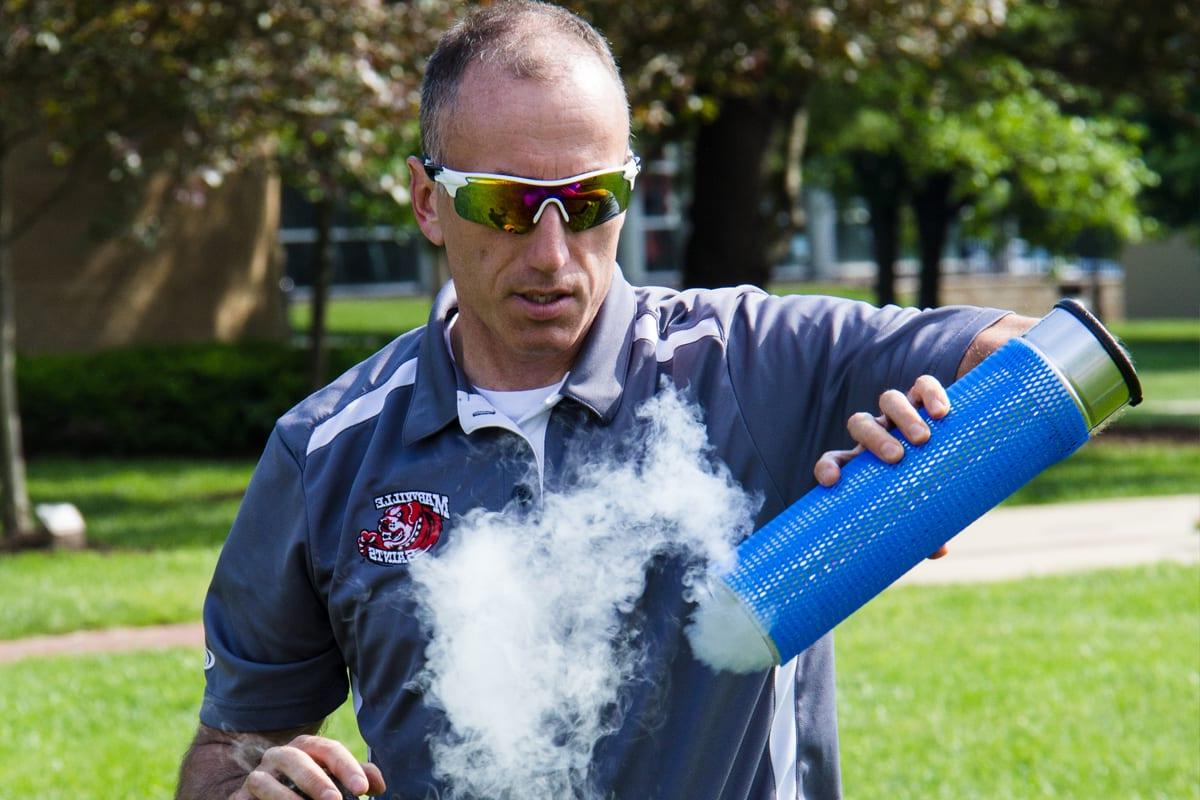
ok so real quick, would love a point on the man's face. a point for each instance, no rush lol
(526, 301)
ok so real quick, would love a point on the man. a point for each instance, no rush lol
(538, 347)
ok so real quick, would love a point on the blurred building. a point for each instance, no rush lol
(206, 273)
(1162, 278)
(367, 259)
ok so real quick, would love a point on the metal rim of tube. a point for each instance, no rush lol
(1110, 344)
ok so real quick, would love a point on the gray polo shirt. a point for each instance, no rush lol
(309, 599)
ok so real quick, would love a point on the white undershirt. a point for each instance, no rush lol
(530, 410)
(527, 409)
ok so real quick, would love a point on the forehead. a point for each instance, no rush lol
(571, 120)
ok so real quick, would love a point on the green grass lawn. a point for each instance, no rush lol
(1167, 356)
(379, 319)
(1084, 687)
(45, 593)
(1067, 687)
(160, 524)
(383, 318)
(146, 503)
(106, 726)
(1112, 466)
(157, 526)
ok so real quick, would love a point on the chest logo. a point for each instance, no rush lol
(411, 523)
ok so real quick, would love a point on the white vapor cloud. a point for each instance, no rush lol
(530, 633)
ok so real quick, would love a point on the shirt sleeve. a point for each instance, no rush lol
(801, 365)
(272, 661)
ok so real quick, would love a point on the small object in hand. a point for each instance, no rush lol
(346, 793)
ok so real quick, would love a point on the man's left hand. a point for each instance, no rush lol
(874, 433)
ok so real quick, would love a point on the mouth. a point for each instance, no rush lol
(544, 304)
(541, 298)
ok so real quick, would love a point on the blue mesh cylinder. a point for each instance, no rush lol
(834, 549)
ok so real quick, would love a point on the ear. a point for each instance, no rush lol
(423, 191)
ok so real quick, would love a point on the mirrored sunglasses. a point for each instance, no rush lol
(512, 204)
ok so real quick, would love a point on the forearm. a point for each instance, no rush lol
(991, 338)
(217, 763)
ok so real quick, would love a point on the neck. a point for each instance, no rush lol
(508, 375)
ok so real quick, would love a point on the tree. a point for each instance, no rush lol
(981, 132)
(882, 180)
(193, 92)
(1132, 60)
(340, 113)
(86, 79)
(735, 78)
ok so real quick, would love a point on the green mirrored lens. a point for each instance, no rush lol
(496, 203)
(595, 201)
(511, 206)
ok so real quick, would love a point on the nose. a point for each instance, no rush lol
(548, 250)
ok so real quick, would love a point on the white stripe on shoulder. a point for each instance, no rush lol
(362, 408)
(646, 328)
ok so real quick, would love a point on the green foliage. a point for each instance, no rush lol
(681, 60)
(1138, 61)
(199, 90)
(340, 111)
(998, 129)
(1083, 686)
(212, 400)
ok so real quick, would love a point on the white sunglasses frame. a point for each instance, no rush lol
(453, 180)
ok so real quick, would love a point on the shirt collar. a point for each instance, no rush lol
(595, 381)
(435, 393)
(598, 375)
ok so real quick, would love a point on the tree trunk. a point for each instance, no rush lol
(17, 514)
(793, 170)
(934, 212)
(728, 245)
(882, 183)
(322, 277)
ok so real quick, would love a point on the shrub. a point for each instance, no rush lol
(201, 400)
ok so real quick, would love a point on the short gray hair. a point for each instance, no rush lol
(502, 34)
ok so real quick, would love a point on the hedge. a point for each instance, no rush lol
(193, 400)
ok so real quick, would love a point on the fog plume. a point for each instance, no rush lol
(531, 639)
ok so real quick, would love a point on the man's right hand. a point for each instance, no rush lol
(308, 761)
(227, 765)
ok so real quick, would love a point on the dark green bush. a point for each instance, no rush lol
(202, 400)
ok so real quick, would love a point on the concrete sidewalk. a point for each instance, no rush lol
(1019, 542)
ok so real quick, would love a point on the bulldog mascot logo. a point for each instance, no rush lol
(409, 526)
